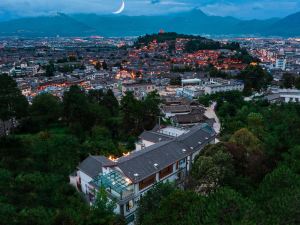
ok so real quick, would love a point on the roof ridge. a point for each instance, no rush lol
(163, 134)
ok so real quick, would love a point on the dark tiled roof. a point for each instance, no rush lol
(189, 118)
(176, 108)
(165, 153)
(92, 165)
(154, 137)
(196, 116)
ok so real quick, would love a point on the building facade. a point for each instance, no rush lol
(140, 90)
(127, 179)
(220, 85)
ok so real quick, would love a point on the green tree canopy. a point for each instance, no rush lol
(212, 169)
(46, 109)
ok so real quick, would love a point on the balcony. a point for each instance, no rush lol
(116, 184)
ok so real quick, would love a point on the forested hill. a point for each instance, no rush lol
(165, 36)
(193, 42)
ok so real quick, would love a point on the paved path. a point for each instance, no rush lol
(211, 114)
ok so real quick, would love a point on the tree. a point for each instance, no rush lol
(77, 110)
(50, 69)
(256, 124)
(205, 100)
(102, 212)
(212, 169)
(131, 114)
(247, 140)
(46, 109)
(13, 105)
(38, 216)
(214, 72)
(247, 150)
(288, 80)
(98, 66)
(178, 209)
(104, 65)
(278, 196)
(100, 142)
(8, 214)
(292, 159)
(255, 78)
(151, 110)
(196, 45)
(111, 103)
(175, 80)
(150, 203)
(226, 206)
(297, 83)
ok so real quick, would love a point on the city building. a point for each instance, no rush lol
(283, 95)
(190, 92)
(281, 64)
(221, 85)
(140, 90)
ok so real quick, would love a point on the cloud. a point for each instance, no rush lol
(255, 9)
(155, 2)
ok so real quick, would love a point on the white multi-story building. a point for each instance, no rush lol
(140, 90)
(281, 64)
(283, 95)
(221, 85)
(126, 179)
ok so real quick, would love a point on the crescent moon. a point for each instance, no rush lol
(121, 8)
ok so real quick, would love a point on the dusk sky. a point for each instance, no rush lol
(246, 9)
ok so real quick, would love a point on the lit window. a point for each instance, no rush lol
(129, 205)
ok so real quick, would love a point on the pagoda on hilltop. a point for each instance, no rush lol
(161, 31)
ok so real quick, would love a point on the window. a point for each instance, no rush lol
(163, 173)
(129, 205)
(181, 164)
(147, 182)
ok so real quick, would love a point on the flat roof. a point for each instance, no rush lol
(172, 131)
(190, 81)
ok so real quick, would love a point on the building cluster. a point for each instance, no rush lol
(221, 59)
(277, 55)
(280, 58)
(52, 65)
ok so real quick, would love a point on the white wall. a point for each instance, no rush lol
(85, 179)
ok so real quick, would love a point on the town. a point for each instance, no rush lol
(145, 109)
(169, 67)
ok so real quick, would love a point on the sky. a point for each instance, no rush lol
(243, 9)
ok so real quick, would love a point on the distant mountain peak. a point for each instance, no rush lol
(194, 21)
(196, 12)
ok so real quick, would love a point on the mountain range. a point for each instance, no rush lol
(191, 22)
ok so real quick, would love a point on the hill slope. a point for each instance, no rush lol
(59, 24)
(288, 26)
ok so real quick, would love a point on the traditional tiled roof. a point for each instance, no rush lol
(142, 164)
(92, 165)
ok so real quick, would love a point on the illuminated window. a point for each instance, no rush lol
(129, 205)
